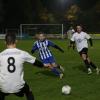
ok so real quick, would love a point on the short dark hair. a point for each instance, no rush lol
(10, 38)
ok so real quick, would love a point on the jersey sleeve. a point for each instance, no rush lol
(28, 58)
(87, 36)
(34, 48)
(51, 44)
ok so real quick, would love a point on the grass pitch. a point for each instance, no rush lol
(46, 86)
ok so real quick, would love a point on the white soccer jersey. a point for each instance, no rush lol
(70, 33)
(80, 40)
(11, 69)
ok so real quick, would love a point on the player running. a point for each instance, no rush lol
(42, 45)
(80, 38)
(11, 70)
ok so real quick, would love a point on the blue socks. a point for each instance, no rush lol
(55, 71)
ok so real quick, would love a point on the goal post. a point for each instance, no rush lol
(32, 29)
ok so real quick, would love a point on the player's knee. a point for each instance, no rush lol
(54, 65)
(84, 57)
(47, 65)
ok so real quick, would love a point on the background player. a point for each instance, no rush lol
(42, 45)
(11, 70)
(80, 38)
(70, 32)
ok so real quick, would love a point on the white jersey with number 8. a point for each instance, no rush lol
(11, 69)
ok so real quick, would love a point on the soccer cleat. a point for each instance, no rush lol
(61, 76)
(62, 69)
(97, 71)
(89, 71)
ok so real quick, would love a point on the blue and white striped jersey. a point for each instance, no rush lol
(42, 46)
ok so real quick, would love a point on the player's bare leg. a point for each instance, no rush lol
(84, 57)
(58, 66)
(54, 70)
(47, 66)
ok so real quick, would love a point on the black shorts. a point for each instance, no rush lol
(84, 51)
(23, 91)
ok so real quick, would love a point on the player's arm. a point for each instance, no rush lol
(90, 39)
(34, 48)
(91, 42)
(31, 59)
(55, 46)
(37, 63)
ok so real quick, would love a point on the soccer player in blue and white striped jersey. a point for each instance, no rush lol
(42, 45)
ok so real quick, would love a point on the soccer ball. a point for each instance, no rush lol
(66, 89)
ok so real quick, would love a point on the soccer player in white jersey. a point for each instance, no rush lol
(70, 32)
(42, 45)
(80, 39)
(11, 70)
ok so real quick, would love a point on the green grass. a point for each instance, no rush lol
(47, 86)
